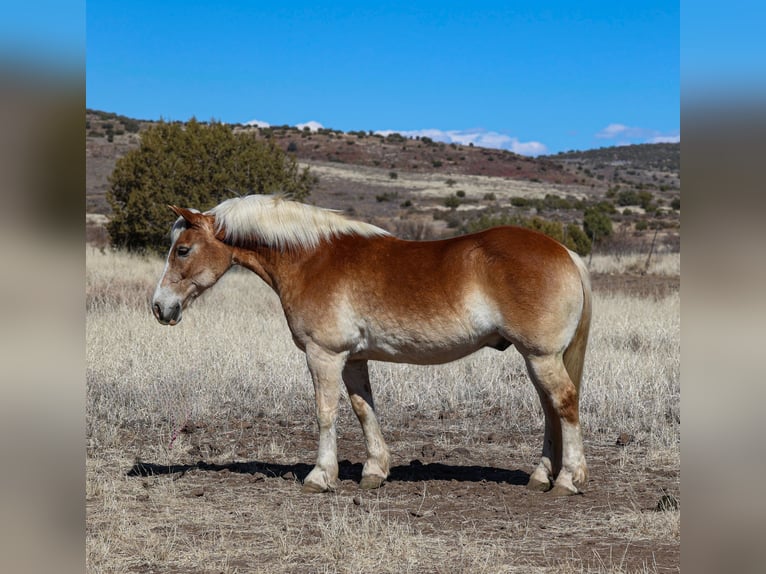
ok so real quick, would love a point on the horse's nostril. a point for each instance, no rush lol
(156, 310)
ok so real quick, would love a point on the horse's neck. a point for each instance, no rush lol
(271, 264)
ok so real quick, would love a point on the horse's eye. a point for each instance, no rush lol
(182, 251)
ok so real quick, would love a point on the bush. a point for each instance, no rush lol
(556, 202)
(387, 196)
(451, 201)
(645, 199)
(597, 224)
(606, 207)
(519, 202)
(577, 240)
(627, 197)
(192, 165)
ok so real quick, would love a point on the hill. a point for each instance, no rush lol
(651, 166)
(421, 188)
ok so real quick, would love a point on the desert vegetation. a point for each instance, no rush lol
(584, 199)
(193, 164)
(198, 434)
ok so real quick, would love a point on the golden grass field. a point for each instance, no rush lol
(215, 419)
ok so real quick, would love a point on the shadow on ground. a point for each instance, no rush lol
(416, 471)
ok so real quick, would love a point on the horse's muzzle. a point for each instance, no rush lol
(167, 316)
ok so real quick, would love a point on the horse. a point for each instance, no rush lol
(353, 293)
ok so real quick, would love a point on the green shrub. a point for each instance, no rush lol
(577, 240)
(519, 202)
(192, 165)
(645, 199)
(451, 201)
(387, 196)
(131, 125)
(606, 207)
(627, 197)
(556, 202)
(597, 224)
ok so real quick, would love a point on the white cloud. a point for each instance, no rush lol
(258, 124)
(628, 135)
(480, 138)
(528, 148)
(612, 131)
(312, 126)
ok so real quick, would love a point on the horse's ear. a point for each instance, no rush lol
(192, 217)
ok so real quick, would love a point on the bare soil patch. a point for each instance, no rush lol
(469, 490)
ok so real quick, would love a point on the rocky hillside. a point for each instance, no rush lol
(423, 188)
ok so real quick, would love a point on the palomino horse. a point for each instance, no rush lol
(351, 293)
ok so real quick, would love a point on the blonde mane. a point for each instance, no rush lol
(283, 224)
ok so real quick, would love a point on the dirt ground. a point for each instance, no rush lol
(435, 488)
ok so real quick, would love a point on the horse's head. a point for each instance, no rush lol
(197, 259)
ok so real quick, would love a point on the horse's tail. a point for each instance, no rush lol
(574, 354)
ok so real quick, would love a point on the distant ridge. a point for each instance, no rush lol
(660, 156)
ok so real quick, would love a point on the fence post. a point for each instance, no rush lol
(651, 250)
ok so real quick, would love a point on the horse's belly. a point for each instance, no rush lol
(404, 347)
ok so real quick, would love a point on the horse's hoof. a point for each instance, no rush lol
(538, 485)
(559, 490)
(312, 488)
(371, 482)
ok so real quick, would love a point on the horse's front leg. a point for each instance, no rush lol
(326, 369)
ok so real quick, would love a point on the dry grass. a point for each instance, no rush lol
(232, 359)
(661, 263)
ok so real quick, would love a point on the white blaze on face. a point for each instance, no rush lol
(165, 299)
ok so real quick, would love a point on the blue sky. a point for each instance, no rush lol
(533, 77)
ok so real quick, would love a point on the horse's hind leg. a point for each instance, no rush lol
(542, 477)
(563, 448)
(357, 379)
